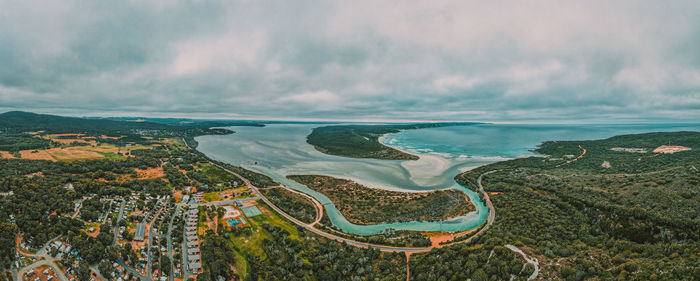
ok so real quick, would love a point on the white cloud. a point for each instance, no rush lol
(323, 97)
(445, 59)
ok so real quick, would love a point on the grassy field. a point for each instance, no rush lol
(211, 196)
(75, 153)
(252, 244)
(217, 175)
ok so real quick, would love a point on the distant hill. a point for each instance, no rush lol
(185, 122)
(20, 121)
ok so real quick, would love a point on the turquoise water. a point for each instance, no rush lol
(281, 150)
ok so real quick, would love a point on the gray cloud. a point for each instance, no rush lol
(456, 60)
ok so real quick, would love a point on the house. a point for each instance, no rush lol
(193, 251)
(194, 267)
(140, 231)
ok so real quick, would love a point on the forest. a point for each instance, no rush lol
(634, 220)
(363, 205)
(362, 141)
(291, 203)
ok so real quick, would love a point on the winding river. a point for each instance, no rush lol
(279, 150)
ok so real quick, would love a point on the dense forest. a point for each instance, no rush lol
(362, 141)
(636, 219)
(20, 122)
(363, 205)
(291, 203)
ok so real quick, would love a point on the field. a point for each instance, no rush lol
(73, 153)
(252, 244)
(216, 176)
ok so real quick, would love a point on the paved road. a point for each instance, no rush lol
(319, 206)
(490, 220)
(170, 244)
(116, 229)
(322, 233)
(223, 202)
(47, 260)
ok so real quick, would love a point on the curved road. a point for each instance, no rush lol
(492, 216)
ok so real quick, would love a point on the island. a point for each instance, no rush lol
(362, 205)
(362, 141)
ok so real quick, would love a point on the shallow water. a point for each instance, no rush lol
(281, 150)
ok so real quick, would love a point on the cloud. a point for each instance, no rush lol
(457, 60)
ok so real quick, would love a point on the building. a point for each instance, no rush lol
(194, 267)
(238, 202)
(192, 244)
(140, 231)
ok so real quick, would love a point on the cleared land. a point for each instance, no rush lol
(362, 205)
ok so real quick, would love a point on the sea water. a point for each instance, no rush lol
(279, 150)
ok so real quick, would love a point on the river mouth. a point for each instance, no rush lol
(279, 150)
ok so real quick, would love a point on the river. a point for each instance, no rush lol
(281, 150)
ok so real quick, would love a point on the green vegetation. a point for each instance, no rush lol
(362, 141)
(217, 176)
(19, 122)
(257, 179)
(488, 261)
(362, 205)
(637, 220)
(17, 142)
(275, 249)
(291, 203)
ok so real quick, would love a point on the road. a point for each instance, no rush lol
(319, 206)
(170, 243)
(490, 220)
(224, 202)
(492, 217)
(322, 233)
(529, 260)
(119, 218)
(47, 260)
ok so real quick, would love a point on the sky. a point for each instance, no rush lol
(509, 61)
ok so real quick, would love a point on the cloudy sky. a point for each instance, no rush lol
(599, 61)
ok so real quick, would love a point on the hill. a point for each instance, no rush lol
(17, 122)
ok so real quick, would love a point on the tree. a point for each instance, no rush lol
(8, 234)
(480, 275)
(165, 265)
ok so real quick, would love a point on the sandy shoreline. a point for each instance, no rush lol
(424, 170)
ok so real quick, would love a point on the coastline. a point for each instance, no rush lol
(306, 160)
(426, 168)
